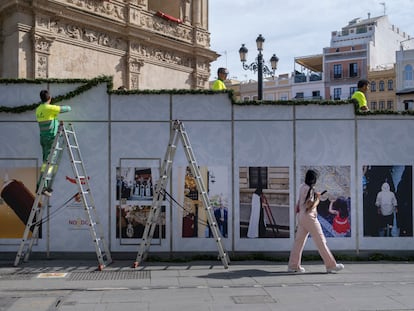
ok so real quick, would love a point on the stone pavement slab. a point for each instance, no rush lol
(246, 285)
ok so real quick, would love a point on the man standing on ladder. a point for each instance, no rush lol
(46, 116)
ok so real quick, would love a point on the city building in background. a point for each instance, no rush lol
(382, 94)
(143, 44)
(371, 48)
(362, 46)
(405, 78)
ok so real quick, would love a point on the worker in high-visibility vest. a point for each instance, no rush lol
(46, 116)
(219, 85)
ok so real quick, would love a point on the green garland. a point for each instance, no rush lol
(87, 84)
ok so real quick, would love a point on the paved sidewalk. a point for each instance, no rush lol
(70, 285)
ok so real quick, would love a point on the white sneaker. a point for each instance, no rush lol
(337, 268)
(297, 270)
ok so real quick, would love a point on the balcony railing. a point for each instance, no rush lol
(301, 78)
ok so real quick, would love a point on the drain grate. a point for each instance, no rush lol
(108, 275)
(16, 276)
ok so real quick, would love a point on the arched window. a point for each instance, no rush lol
(373, 86)
(381, 86)
(408, 73)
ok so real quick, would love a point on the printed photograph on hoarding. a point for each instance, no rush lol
(387, 200)
(334, 209)
(131, 220)
(134, 194)
(194, 214)
(134, 184)
(264, 202)
(17, 186)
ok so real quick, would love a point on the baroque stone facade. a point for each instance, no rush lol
(143, 44)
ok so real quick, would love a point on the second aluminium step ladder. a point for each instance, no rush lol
(65, 137)
(178, 132)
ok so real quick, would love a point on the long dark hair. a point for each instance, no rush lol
(310, 179)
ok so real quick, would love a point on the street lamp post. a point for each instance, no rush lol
(259, 65)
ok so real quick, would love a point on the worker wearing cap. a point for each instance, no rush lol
(219, 85)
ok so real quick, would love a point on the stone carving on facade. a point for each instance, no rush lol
(142, 2)
(41, 66)
(202, 38)
(203, 66)
(134, 16)
(167, 28)
(84, 24)
(42, 46)
(42, 21)
(106, 8)
(139, 2)
(200, 80)
(147, 20)
(87, 35)
(134, 81)
(135, 65)
(157, 54)
(42, 43)
(73, 32)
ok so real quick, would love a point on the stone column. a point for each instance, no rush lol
(134, 69)
(185, 11)
(197, 13)
(204, 14)
(42, 46)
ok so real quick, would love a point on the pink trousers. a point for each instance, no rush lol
(308, 223)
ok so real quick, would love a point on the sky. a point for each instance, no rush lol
(291, 28)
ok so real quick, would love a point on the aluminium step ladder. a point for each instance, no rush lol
(65, 137)
(178, 132)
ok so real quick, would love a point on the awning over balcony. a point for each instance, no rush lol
(312, 62)
(406, 91)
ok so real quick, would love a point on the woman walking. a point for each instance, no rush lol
(308, 223)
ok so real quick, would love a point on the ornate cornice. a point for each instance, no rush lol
(78, 33)
(157, 54)
(100, 7)
(133, 15)
(58, 29)
(167, 28)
